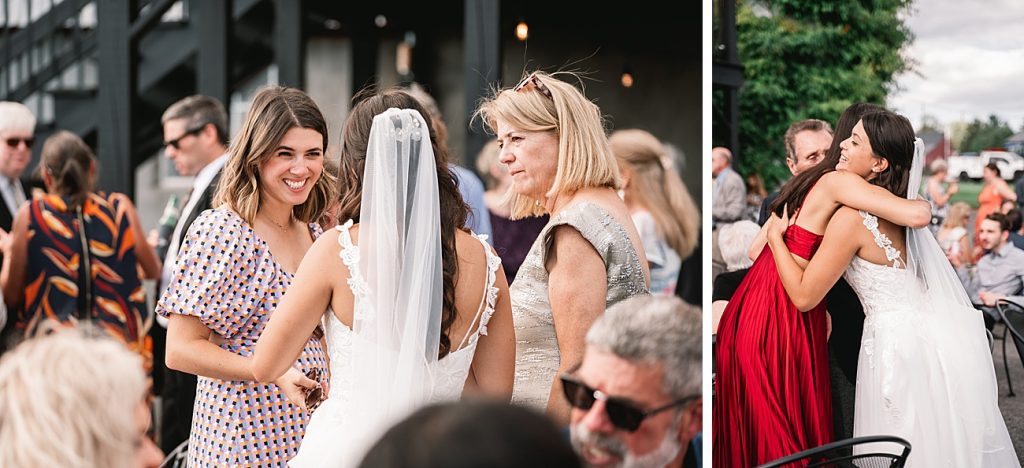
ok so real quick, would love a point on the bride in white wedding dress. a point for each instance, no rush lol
(417, 309)
(925, 371)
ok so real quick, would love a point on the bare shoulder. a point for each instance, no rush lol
(325, 249)
(846, 216)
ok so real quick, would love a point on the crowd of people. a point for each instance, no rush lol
(281, 340)
(804, 358)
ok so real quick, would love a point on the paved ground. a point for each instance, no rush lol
(1012, 407)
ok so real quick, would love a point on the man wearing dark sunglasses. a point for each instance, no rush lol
(17, 127)
(195, 140)
(17, 135)
(636, 397)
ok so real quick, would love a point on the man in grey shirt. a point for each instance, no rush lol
(999, 273)
(729, 195)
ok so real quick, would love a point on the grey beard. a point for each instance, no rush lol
(666, 451)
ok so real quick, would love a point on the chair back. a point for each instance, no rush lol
(178, 458)
(857, 452)
(1012, 314)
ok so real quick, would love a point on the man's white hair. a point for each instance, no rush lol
(15, 116)
(651, 330)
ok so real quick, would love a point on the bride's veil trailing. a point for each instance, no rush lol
(397, 324)
(956, 329)
(925, 257)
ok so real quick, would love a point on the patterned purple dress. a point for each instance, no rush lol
(226, 276)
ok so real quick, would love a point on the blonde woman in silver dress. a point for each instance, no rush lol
(589, 256)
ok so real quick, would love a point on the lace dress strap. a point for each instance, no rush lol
(350, 257)
(892, 254)
(486, 308)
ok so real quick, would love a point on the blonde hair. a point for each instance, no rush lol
(275, 110)
(585, 159)
(658, 188)
(958, 212)
(486, 159)
(67, 400)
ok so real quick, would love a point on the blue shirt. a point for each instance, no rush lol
(472, 190)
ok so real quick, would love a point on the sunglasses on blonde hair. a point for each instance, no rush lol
(533, 82)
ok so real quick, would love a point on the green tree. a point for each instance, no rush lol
(809, 59)
(979, 135)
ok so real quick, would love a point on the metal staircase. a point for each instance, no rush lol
(106, 69)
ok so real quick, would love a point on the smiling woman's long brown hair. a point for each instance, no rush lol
(274, 111)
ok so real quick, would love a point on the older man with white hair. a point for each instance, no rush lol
(17, 129)
(636, 397)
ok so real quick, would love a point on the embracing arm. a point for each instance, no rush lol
(494, 363)
(299, 311)
(577, 287)
(851, 190)
(759, 241)
(12, 275)
(806, 287)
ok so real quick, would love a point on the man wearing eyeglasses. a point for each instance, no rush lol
(17, 127)
(636, 397)
(195, 140)
(17, 134)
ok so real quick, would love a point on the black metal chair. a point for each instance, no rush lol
(839, 455)
(1012, 314)
(178, 458)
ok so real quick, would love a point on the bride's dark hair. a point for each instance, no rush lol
(354, 139)
(794, 192)
(891, 137)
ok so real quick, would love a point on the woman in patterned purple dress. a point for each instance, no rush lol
(236, 262)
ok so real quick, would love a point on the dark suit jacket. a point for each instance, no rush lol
(763, 214)
(8, 335)
(157, 332)
(204, 203)
(6, 217)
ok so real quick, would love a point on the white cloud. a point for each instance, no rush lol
(970, 58)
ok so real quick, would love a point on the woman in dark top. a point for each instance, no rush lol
(43, 255)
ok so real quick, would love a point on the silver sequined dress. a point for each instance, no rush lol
(537, 357)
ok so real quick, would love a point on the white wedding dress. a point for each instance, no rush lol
(925, 375)
(329, 441)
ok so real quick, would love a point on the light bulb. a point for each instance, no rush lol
(522, 31)
(627, 79)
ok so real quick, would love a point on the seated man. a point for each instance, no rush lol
(643, 363)
(998, 274)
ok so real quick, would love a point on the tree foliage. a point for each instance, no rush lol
(810, 59)
(985, 135)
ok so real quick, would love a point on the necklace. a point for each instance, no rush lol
(283, 227)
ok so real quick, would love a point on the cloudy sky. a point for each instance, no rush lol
(970, 56)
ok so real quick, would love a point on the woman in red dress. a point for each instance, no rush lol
(772, 396)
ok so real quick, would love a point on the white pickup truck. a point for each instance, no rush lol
(970, 166)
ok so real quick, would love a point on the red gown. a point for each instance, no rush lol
(772, 395)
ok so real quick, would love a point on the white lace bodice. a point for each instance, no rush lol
(449, 373)
(880, 287)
